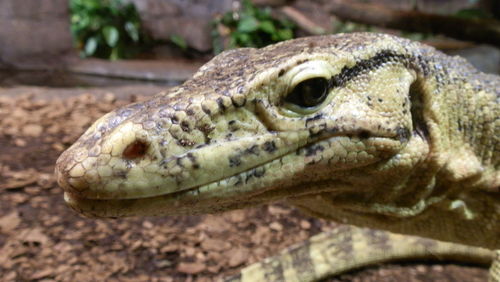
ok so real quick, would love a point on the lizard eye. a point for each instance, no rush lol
(308, 93)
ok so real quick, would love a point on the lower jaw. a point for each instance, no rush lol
(194, 201)
(189, 203)
(165, 205)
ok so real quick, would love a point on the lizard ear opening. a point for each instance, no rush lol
(416, 96)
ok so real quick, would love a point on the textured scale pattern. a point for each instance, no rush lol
(348, 248)
(407, 140)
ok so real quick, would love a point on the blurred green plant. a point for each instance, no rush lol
(250, 27)
(107, 29)
(179, 41)
(473, 13)
(348, 27)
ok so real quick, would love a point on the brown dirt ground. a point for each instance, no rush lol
(43, 240)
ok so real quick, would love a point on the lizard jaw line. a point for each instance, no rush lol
(330, 138)
(216, 191)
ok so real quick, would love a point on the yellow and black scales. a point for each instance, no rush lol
(366, 129)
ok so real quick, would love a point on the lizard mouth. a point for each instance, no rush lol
(265, 181)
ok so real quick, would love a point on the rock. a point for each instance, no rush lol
(42, 274)
(276, 210)
(155, 8)
(34, 235)
(195, 31)
(238, 256)
(191, 267)
(484, 57)
(33, 30)
(215, 245)
(276, 226)
(9, 222)
(189, 19)
(304, 224)
(20, 142)
(32, 130)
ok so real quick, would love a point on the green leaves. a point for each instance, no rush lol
(111, 35)
(106, 28)
(248, 24)
(473, 13)
(179, 41)
(250, 27)
(267, 26)
(132, 30)
(90, 46)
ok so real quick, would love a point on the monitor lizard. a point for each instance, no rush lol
(365, 129)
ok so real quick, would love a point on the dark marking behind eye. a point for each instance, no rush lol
(135, 150)
(379, 59)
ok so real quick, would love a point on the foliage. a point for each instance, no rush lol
(417, 36)
(250, 27)
(348, 27)
(178, 41)
(106, 28)
(473, 13)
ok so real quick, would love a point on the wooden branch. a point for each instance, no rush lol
(478, 30)
(302, 21)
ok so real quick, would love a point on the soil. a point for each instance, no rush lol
(41, 239)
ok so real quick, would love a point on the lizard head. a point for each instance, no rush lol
(253, 125)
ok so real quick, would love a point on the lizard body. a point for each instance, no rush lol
(347, 248)
(366, 129)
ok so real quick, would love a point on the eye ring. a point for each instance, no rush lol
(309, 93)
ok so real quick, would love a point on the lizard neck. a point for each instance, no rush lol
(451, 192)
(461, 119)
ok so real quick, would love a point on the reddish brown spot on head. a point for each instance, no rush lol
(135, 150)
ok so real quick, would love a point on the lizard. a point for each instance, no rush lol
(366, 129)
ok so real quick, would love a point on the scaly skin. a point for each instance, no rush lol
(346, 248)
(407, 140)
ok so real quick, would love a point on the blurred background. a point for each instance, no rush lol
(64, 63)
(54, 35)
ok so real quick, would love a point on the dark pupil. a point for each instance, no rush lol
(309, 93)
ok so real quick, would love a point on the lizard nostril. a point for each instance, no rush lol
(364, 134)
(136, 149)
